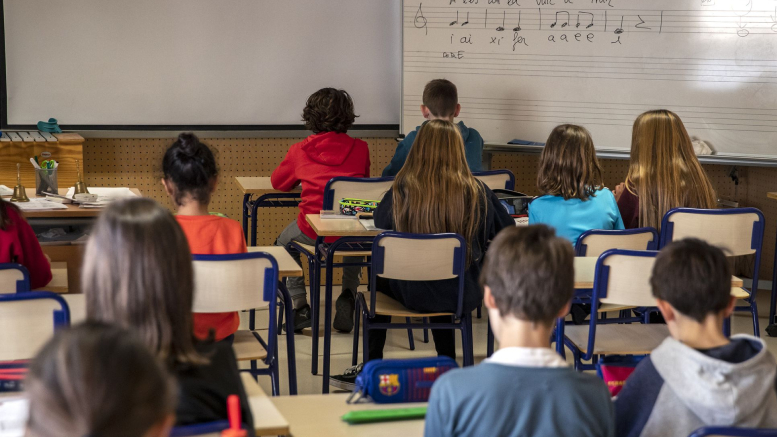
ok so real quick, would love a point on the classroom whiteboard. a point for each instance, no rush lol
(198, 62)
(525, 66)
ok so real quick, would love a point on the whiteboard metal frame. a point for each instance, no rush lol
(740, 160)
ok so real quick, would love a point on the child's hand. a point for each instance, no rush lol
(619, 190)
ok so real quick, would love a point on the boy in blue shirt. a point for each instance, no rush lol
(440, 101)
(525, 389)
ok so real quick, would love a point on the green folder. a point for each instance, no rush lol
(386, 415)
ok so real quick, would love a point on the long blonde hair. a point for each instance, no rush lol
(435, 191)
(664, 171)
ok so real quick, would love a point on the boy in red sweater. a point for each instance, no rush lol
(18, 244)
(328, 153)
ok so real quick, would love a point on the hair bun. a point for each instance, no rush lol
(189, 144)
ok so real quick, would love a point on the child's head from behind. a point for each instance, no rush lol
(329, 110)
(435, 191)
(440, 100)
(694, 278)
(528, 275)
(138, 274)
(190, 173)
(98, 380)
(568, 165)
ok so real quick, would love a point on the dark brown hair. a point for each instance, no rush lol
(568, 165)
(189, 166)
(530, 272)
(5, 219)
(329, 110)
(138, 274)
(694, 277)
(97, 380)
(441, 97)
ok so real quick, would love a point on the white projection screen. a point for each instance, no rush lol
(218, 63)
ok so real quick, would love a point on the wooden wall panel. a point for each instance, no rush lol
(137, 163)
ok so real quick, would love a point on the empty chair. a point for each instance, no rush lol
(28, 320)
(622, 278)
(237, 282)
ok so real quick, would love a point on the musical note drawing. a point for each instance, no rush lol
(518, 27)
(586, 13)
(562, 24)
(502, 27)
(466, 21)
(619, 30)
(641, 22)
(420, 21)
(457, 19)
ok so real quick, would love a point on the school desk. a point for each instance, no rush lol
(269, 197)
(319, 416)
(771, 330)
(69, 253)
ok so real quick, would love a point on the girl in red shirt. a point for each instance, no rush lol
(18, 244)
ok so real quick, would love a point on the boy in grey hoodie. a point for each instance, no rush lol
(697, 377)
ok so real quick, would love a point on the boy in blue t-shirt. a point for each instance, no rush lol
(525, 389)
(440, 101)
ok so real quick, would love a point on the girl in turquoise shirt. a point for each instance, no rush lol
(574, 197)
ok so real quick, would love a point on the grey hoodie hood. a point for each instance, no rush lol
(717, 392)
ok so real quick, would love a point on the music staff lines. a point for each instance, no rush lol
(652, 58)
(585, 104)
(616, 21)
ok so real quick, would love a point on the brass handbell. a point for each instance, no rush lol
(19, 193)
(80, 186)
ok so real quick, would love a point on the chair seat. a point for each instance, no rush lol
(739, 293)
(247, 347)
(633, 339)
(607, 307)
(386, 306)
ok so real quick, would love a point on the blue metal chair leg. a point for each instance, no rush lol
(365, 337)
(290, 349)
(356, 320)
(315, 310)
(426, 331)
(327, 321)
(410, 339)
(754, 311)
(465, 345)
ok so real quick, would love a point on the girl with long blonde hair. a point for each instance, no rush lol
(664, 172)
(435, 192)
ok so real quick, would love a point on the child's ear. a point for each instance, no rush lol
(458, 110)
(564, 311)
(666, 309)
(488, 298)
(425, 112)
(168, 187)
(730, 307)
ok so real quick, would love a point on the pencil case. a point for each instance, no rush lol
(354, 206)
(396, 381)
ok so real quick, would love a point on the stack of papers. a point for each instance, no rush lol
(105, 195)
(37, 204)
(13, 416)
(5, 191)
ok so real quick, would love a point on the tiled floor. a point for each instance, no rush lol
(397, 347)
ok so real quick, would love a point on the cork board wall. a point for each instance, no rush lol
(137, 163)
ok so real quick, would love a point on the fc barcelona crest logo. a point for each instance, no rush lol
(389, 384)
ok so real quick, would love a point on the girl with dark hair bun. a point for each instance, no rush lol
(190, 179)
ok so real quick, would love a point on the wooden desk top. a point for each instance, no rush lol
(286, 265)
(259, 185)
(772, 195)
(339, 227)
(319, 416)
(585, 269)
(72, 211)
